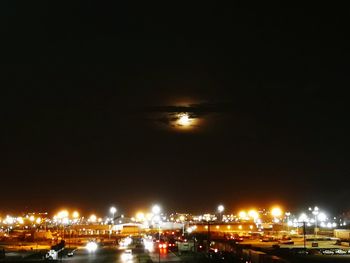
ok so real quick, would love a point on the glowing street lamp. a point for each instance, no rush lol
(315, 212)
(113, 210)
(62, 214)
(242, 214)
(276, 212)
(156, 210)
(75, 215)
(322, 217)
(20, 220)
(182, 219)
(63, 219)
(303, 218)
(253, 214)
(287, 215)
(221, 209)
(9, 220)
(140, 216)
(93, 218)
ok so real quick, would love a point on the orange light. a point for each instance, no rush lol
(75, 214)
(253, 214)
(163, 251)
(242, 214)
(276, 211)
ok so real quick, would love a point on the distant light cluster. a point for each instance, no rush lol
(258, 219)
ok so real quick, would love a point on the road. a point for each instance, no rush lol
(115, 255)
(101, 255)
(81, 256)
(164, 257)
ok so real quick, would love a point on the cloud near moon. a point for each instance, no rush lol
(185, 118)
(184, 121)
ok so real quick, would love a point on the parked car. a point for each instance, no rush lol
(268, 239)
(327, 252)
(340, 251)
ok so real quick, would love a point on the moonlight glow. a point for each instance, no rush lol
(184, 120)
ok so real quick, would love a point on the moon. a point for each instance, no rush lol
(184, 120)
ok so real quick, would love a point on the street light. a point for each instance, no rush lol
(276, 212)
(303, 219)
(221, 209)
(63, 219)
(112, 210)
(156, 210)
(315, 212)
(182, 219)
(140, 216)
(322, 217)
(93, 218)
(287, 215)
(75, 214)
(253, 214)
(242, 214)
(63, 214)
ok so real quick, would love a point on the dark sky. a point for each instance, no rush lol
(88, 90)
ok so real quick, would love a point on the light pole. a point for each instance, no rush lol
(315, 213)
(277, 213)
(112, 210)
(221, 209)
(288, 214)
(182, 219)
(302, 219)
(156, 210)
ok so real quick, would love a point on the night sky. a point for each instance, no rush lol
(91, 92)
